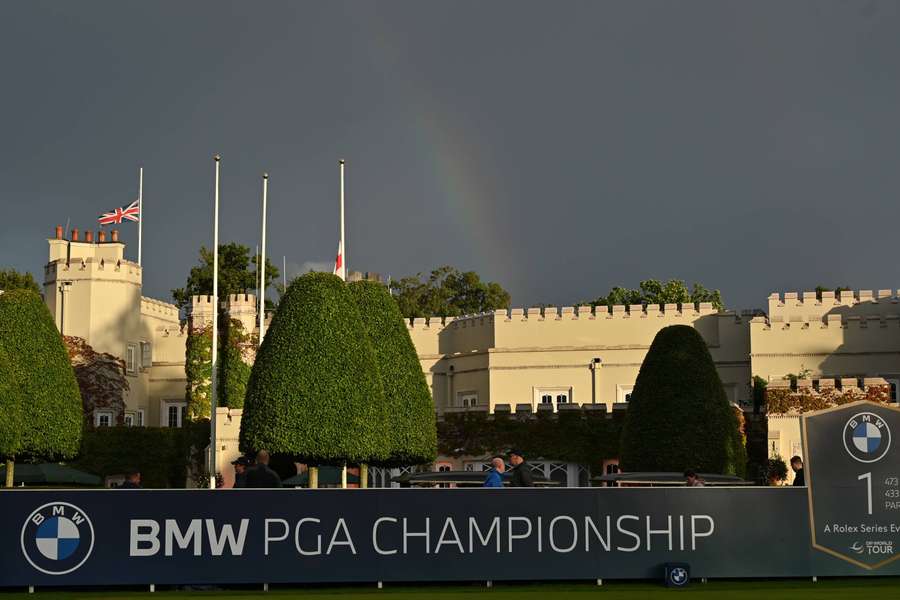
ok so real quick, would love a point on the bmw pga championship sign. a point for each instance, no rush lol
(853, 473)
(846, 523)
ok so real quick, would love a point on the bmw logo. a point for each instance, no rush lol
(57, 538)
(679, 576)
(867, 437)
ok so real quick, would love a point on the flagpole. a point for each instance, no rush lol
(140, 211)
(215, 334)
(261, 267)
(284, 272)
(343, 242)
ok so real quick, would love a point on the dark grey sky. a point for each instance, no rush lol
(559, 148)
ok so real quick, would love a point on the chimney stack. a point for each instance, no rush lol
(114, 235)
(59, 232)
(74, 235)
(101, 236)
(89, 236)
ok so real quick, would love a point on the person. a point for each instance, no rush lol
(241, 465)
(520, 474)
(132, 480)
(494, 477)
(797, 467)
(261, 476)
(692, 480)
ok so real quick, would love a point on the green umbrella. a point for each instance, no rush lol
(50, 474)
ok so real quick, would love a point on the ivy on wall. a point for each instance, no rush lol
(101, 379)
(234, 370)
(785, 400)
(162, 454)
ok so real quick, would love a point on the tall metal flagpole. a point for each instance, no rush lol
(344, 277)
(261, 267)
(343, 241)
(215, 335)
(140, 211)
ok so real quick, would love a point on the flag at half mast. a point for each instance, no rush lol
(132, 212)
(339, 269)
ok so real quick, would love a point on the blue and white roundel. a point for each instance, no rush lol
(57, 538)
(867, 437)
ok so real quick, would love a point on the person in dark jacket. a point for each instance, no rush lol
(797, 467)
(261, 476)
(520, 474)
(241, 466)
(132, 480)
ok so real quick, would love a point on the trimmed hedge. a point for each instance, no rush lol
(409, 409)
(314, 392)
(679, 417)
(52, 413)
(162, 454)
(11, 406)
(585, 439)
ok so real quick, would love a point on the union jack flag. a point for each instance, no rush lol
(131, 213)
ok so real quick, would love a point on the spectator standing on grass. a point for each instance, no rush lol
(692, 480)
(797, 467)
(241, 465)
(132, 480)
(494, 477)
(520, 474)
(261, 476)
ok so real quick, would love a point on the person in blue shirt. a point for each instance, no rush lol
(495, 474)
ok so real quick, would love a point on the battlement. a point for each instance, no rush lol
(829, 321)
(158, 308)
(807, 306)
(92, 267)
(555, 313)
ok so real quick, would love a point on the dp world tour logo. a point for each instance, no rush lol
(57, 538)
(867, 437)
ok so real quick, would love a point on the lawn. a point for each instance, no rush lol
(730, 590)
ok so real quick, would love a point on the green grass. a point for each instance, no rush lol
(729, 590)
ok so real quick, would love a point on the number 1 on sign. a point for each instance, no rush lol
(868, 478)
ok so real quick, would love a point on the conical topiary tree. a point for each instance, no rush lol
(410, 410)
(678, 416)
(314, 391)
(52, 411)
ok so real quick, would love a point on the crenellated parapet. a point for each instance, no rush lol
(159, 309)
(93, 268)
(810, 306)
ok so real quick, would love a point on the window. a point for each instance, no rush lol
(129, 420)
(467, 399)
(140, 418)
(553, 396)
(623, 392)
(893, 383)
(103, 418)
(146, 355)
(131, 359)
(174, 415)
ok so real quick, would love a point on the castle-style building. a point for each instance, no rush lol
(94, 293)
(518, 361)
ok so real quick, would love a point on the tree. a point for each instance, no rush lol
(11, 407)
(678, 416)
(314, 391)
(653, 291)
(10, 279)
(448, 292)
(837, 290)
(52, 414)
(100, 376)
(235, 276)
(410, 410)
